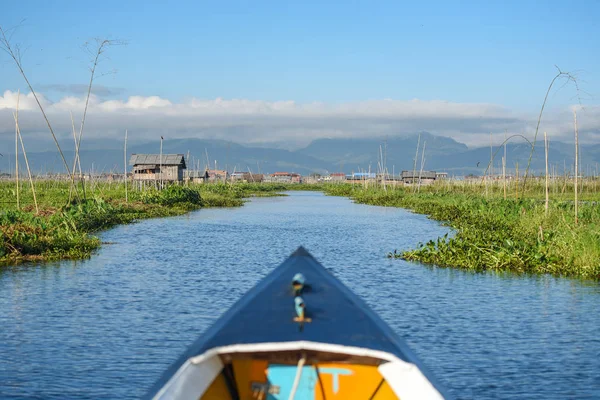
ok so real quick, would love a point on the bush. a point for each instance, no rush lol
(172, 195)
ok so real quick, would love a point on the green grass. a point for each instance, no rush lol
(493, 233)
(65, 226)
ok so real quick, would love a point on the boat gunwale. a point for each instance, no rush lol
(262, 350)
(226, 354)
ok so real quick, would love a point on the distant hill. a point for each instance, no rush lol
(351, 154)
(322, 156)
(446, 154)
(227, 154)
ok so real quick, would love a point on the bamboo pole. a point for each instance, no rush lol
(422, 165)
(160, 163)
(576, 162)
(125, 166)
(504, 175)
(187, 163)
(491, 156)
(385, 170)
(546, 151)
(382, 168)
(17, 148)
(415, 163)
(5, 42)
(37, 210)
(485, 181)
(517, 182)
(99, 51)
(74, 160)
(504, 165)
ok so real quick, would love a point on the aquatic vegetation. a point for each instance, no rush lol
(65, 225)
(493, 233)
(171, 195)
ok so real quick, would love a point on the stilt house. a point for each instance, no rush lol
(166, 168)
(426, 177)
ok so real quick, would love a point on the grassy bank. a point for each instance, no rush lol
(65, 225)
(493, 233)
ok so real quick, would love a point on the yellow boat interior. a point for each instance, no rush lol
(297, 371)
(301, 376)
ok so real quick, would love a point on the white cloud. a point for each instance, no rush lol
(253, 121)
(25, 101)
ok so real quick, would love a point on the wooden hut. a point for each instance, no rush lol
(217, 175)
(426, 177)
(197, 176)
(285, 177)
(156, 169)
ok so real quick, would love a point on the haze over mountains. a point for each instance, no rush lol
(320, 156)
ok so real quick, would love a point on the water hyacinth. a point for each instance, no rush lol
(65, 225)
(493, 233)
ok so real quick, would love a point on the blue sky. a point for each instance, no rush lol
(339, 52)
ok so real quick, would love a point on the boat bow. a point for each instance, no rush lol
(297, 328)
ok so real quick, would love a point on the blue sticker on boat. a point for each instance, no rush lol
(283, 376)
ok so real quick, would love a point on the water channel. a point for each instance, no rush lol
(107, 327)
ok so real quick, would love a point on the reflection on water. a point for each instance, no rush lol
(107, 327)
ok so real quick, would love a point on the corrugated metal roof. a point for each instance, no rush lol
(166, 159)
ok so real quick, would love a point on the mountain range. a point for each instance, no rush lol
(324, 156)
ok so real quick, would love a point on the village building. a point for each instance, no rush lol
(217, 175)
(285, 177)
(314, 178)
(310, 180)
(237, 177)
(337, 177)
(197, 176)
(157, 169)
(425, 177)
(109, 177)
(251, 177)
(359, 176)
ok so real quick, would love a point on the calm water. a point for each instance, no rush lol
(107, 327)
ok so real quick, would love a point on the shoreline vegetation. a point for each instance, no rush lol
(494, 233)
(64, 229)
(495, 228)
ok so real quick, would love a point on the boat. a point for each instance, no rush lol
(298, 334)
